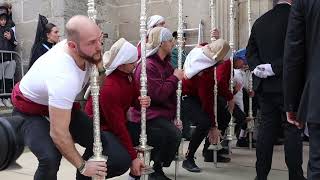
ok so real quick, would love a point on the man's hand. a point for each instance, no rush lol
(7, 35)
(231, 105)
(96, 169)
(136, 167)
(215, 33)
(292, 119)
(214, 135)
(179, 74)
(144, 101)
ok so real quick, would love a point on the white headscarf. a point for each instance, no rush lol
(121, 52)
(195, 62)
(204, 57)
(154, 21)
(156, 37)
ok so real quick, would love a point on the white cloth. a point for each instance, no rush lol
(54, 79)
(127, 54)
(150, 52)
(195, 62)
(154, 21)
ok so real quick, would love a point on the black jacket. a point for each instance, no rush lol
(266, 46)
(38, 50)
(301, 71)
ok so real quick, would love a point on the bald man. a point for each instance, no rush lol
(45, 98)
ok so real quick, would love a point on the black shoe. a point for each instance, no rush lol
(158, 175)
(190, 165)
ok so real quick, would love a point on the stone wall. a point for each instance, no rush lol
(258, 8)
(25, 15)
(108, 21)
(120, 18)
(194, 11)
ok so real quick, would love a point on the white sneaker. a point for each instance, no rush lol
(7, 102)
(1, 103)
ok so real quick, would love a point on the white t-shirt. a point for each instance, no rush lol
(54, 79)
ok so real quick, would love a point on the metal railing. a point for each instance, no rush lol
(11, 71)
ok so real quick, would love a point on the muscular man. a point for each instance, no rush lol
(45, 98)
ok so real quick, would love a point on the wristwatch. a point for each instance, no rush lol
(82, 168)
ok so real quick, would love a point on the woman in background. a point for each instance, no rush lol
(47, 36)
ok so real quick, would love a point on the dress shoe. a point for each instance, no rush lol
(190, 165)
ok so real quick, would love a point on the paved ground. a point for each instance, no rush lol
(240, 168)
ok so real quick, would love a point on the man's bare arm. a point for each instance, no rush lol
(60, 134)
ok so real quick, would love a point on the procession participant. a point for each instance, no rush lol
(198, 99)
(117, 93)
(265, 58)
(163, 135)
(52, 122)
(153, 21)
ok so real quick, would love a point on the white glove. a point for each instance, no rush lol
(267, 68)
(259, 73)
(263, 71)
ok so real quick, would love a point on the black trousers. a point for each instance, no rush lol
(163, 136)
(36, 135)
(192, 109)
(223, 117)
(314, 151)
(272, 116)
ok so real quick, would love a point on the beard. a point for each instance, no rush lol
(94, 59)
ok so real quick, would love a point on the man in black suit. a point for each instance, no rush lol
(301, 75)
(265, 58)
